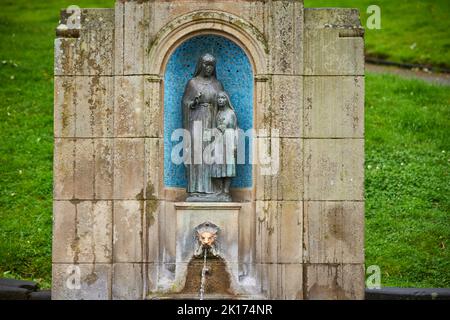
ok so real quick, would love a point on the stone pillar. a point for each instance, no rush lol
(83, 156)
(333, 127)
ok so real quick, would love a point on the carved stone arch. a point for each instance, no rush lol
(231, 27)
(238, 30)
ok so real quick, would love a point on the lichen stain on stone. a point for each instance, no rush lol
(75, 246)
(150, 211)
(69, 99)
(75, 201)
(65, 56)
(104, 163)
(336, 228)
(267, 221)
(150, 191)
(107, 250)
(91, 278)
(140, 195)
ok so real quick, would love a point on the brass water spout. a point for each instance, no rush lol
(205, 239)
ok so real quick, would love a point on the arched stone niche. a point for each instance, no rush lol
(236, 74)
(251, 46)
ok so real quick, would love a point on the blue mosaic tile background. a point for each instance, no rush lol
(235, 73)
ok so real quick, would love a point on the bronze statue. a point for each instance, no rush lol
(209, 118)
(224, 167)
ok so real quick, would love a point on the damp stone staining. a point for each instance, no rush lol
(156, 196)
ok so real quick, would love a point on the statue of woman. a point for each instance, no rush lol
(198, 106)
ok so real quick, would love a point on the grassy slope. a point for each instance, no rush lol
(407, 181)
(411, 31)
(407, 231)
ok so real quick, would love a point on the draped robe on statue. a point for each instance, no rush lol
(199, 120)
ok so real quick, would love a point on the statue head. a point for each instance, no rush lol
(223, 100)
(206, 66)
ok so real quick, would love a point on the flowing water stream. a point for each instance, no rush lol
(204, 270)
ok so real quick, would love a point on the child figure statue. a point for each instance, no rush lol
(224, 167)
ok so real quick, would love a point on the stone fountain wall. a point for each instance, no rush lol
(300, 229)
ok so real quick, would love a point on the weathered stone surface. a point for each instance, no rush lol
(81, 281)
(128, 239)
(92, 53)
(83, 106)
(129, 155)
(279, 231)
(94, 106)
(153, 211)
(103, 168)
(334, 232)
(137, 20)
(65, 101)
(153, 111)
(163, 12)
(333, 42)
(283, 112)
(154, 185)
(142, 22)
(84, 169)
(286, 36)
(281, 281)
(291, 169)
(157, 277)
(334, 169)
(167, 236)
(334, 107)
(64, 232)
(330, 282)
(82, 231)
(137, 106)
(63, 169)
(127, 281)
(279, 174)
(79, 166)
(322, 17)
(129, 106)
(247, 233)
(118, 37)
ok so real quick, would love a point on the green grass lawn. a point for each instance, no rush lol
(407, 159)
(414, 31)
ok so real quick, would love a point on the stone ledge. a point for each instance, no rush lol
(208, 205)
(318, 18)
